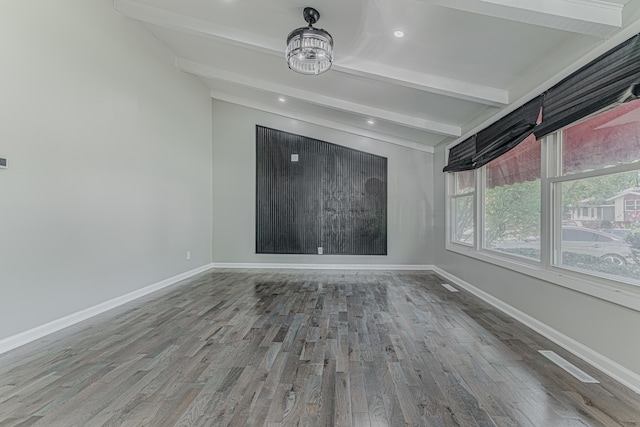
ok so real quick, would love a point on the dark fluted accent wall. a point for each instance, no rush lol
(332, 197)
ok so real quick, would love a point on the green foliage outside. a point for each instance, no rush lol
(597, 189)
(512, 212)
(633, 239)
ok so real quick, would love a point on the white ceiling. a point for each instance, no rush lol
(460, 63)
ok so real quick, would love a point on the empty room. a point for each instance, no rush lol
(363, 213)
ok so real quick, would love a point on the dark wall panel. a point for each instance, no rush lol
(333, 197)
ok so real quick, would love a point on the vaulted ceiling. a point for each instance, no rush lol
(459, 64)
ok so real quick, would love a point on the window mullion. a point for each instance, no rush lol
(447, 208)
(546, 205)
(479, 207)
(555, 212)
(625, 167)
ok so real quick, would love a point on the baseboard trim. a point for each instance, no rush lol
(616, 371)
(409, 267)
(41, 331)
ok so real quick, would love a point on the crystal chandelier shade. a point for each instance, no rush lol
(309, 50)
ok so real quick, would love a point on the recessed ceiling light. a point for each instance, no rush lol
(398, 33)
(282, 99)
(371, 122)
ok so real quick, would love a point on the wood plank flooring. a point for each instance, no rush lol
(303, 348)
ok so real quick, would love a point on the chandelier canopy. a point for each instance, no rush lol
(309, 49)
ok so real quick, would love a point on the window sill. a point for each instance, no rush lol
(608, 290)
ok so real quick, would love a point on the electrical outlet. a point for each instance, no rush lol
(294, 157)
(188, 255)
(319, 250)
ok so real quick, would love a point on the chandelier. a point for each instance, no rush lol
(309, 50)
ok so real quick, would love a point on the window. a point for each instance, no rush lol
(568, 204)
(631, 205)
(599, 164)
(462, 198)
(512, 201)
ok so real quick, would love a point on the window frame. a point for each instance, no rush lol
(636, 205)
(602, 286)
(452, 196)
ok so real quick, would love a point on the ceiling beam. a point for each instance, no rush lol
(593, 17)
(367, 69)
(198, 27)
(321, 122)
(416, 80)
(209, 72)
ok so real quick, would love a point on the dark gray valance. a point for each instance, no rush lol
(613, 77)
(495, 140)
(507, 132)
(460, 156)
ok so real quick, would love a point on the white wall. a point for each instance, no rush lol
(109, 149)
(608, 329)
(410, 191)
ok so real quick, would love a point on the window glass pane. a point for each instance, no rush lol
(607, 139)
(512, 201)
(608, 244)
(464, 182)
(462, 230)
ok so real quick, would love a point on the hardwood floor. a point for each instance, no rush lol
(307, 348)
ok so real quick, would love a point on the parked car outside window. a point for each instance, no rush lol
(586, 241)
(620, 233)
(578, 241)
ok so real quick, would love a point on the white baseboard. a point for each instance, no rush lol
(38, 332)
(419, 267)
(616, 371)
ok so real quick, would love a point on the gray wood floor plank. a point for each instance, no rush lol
(304, 348)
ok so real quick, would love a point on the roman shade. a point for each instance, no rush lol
(495, 140)
(461, 155)
(612, 78)
(507, 132)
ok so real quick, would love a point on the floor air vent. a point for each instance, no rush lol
(569, 367)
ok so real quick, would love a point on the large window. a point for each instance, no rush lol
(569, 203)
